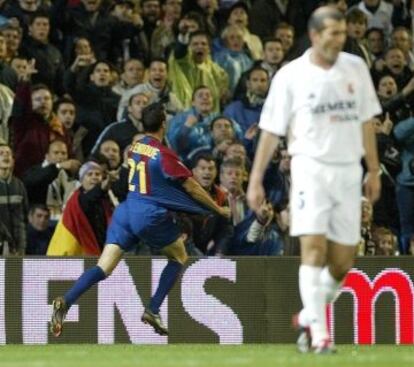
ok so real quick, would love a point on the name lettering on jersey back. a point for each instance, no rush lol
(144, 149)
(346, 110)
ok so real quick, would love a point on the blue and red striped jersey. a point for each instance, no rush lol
(156, 174)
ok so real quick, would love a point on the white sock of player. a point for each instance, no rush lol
(313, 301)
(330, 285)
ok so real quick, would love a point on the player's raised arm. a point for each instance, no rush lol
(195, 190)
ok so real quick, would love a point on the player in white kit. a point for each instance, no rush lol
(323, 101)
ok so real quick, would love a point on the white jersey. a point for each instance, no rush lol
(320, 110)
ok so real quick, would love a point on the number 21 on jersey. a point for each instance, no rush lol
(139, 169)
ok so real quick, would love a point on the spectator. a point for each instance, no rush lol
(82, 54)
(13, 207)
(273, 56)
(375, 43)
(239, 16)
(393, 102)
(246, 111)
(95, 101)
(51, 182)
(214, 232)
(110, 149)
(33, 125)
(191, 66)
(232, 57)
(404, 133)
(19, 65)
(132, 75)
(6, 104)
(357, 22)
(379, 14)
(164, 34)
(123, 131)
(251, 236)
(401, 38)
(82, 228)
(13, 35)
(222, 134)
(207, 10)
(266, 14)
(156, 88)
(366, 245)
(395, 65)
(188, 130)
(39, 230)
(89, 19)
(8, 76)
(66, 112)
(385, 209)
(151, 14)
(49, 61)
(385, 241)
(286, 33)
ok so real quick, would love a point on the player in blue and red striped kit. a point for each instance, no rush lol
(158, 184)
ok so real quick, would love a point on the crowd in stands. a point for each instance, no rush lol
(75, 76)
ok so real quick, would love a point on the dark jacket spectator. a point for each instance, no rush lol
(33, 126)
(95, 101)
(39, 230)
(13, 207)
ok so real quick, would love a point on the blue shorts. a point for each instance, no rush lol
(135, 221)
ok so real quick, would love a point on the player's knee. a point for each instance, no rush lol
(339, 271)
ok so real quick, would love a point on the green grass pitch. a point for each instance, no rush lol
(200, 355)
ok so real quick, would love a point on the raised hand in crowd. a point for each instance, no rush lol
(71, 165)
(111, 176)
(265, 213)
(387, 124)
(26, 73)
(191, 121)
(82, 60)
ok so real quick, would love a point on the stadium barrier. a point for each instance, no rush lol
(217, 300)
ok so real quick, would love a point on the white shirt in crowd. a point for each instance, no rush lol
(322, 110)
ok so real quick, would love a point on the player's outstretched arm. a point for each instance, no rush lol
(195, 190)
(372, 182)
(255, 192)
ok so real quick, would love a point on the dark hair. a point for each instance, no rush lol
(375, 29)
(57, 140)
(158, 59)
(256, 68)
(356, 16)
(271, 40)
(38, 14)
(64, 100)
(137, 94)
(317, 19)
(200, 33)
(40, 86)
(153, 117)
(221, 117)
(199, 88)
(96, 63)
(285, 25)
(126, 62)
(40, 206)
(205, 156)
(231, 163)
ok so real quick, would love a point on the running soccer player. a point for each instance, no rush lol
(324, 102)
(158, 184)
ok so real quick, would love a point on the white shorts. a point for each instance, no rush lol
(326, 200)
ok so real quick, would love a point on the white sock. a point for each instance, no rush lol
(313, 301)
(330, 285)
